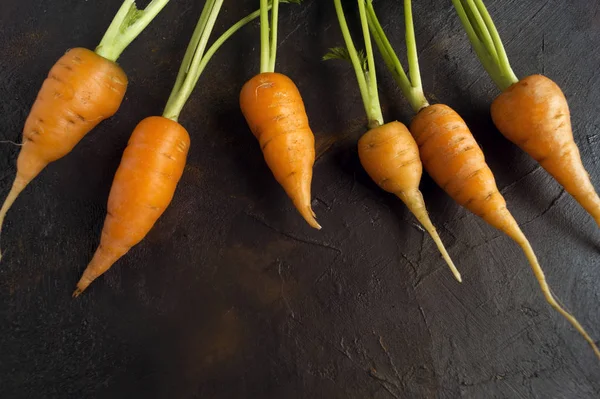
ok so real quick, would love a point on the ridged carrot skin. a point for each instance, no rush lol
(81, 90)
(390, 156)
(143, 188)
(534, 114)
(274, 110)
(454, 160)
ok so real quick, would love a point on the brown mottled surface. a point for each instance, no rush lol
(232, 295)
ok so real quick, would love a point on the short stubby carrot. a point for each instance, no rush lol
(274, 110)
(454, 160)
(533, 113)
(81, 90)
(143, 188)
(390, 156)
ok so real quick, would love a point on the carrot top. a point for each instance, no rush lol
(268, 33)
(127, 24)
(411, 85)
(363, 63)
(486, 41)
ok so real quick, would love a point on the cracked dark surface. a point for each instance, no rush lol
(232, 295)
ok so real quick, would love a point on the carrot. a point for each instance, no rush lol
(388, 152)
(142, 189)
(532, 112)
(391, 157)
(275, 113)
(155, 157)
(453, 158)
(82, 89)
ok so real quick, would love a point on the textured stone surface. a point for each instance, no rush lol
(231, 295)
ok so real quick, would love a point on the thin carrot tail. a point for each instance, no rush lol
(309, 215)
(18, 186)
(102, 261)
(520, 239)
(415, 203)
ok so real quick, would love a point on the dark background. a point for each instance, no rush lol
(232, 295)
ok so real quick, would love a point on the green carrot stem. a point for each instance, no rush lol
(501, 52)
(481, 28)
(127, 24)
(223, 38)
(180, 94)
(497, 66)
(265, 51)
(411, 47)
(274, 23)
(376, 118)
(372, 108)
(413, 91)
(190, 51)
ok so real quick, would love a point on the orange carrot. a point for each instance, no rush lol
(454, 160)
(533, 113)
(82, 89)
(155, 157)
(390, 156)
(143, 188)
(450, 153)
(274, 110)
(387, 151)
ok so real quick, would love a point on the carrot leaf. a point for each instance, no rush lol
(127, 24)
(341, 53)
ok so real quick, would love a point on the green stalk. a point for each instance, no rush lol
(363, 85)
(223, 38)
(274, 22)
(127, 24)
(502, 57)
(413, 91)
(376, 118)
(180, 94)
(265, 51)
(190, 51)
(481, 28)
(411, 46)
(497, 66)
(417, 100)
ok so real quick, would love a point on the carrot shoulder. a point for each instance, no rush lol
(274, 110)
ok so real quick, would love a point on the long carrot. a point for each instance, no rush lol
(274, 110)
(453, 158)
(83, 88)
(155, 157)
(532, 112)
(388, 152)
